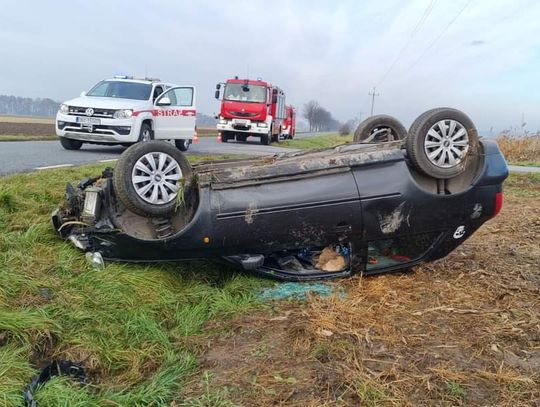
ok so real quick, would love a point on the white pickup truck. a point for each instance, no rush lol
(125, 110)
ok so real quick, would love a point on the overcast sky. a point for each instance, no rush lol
(482, 56)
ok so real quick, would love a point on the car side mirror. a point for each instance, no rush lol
(216, 95)
(164, 101)
(218, 86)
(83, 94)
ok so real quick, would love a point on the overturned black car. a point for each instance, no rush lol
(367, 207)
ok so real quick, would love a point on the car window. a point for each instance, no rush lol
(121, 89)
(158, 90)
(180, 96)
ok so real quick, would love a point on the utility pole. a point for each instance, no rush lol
(372, 94)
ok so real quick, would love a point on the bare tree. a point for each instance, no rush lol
(310, 113)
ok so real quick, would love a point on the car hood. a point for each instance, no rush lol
(107, 103)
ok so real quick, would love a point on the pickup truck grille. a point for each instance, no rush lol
(81, 111)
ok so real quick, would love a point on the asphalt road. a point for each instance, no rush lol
(24, 156)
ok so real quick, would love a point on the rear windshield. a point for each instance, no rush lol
(121, 89)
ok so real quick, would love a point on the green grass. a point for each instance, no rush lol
(324, 141)
(526, 163)
(527, 185)
(134, 327)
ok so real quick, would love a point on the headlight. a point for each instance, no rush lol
(222, 121)
(262, 125)
(123, 114)
(64, 109)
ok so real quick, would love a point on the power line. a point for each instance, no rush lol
(440, 35)
(423, 18)
(372, 94)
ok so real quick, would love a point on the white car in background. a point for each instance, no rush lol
(125, 110)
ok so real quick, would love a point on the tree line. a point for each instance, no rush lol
(21, 106)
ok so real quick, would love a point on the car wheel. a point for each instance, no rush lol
(265, 139)
(70, 144)
(441, 141)
(182, 144)
(378, 129)
(146, 133)
(147, 177)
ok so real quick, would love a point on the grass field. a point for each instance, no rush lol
(26, 119)
(461, 331)
(131, 325)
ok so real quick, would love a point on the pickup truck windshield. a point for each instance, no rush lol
(121, 89)
(245, 93)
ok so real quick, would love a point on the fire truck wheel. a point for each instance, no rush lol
(378, 129)
(265, 139)
(224, 137)
(441, 142)
(148, 176)
(241, 137)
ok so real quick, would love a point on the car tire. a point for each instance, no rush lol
(378, 129)
(182, 144)
(441, 142)
(146, 197)
(70, 144)
(145, 134)
(265, 139)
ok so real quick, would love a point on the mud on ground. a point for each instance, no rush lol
(462, 331)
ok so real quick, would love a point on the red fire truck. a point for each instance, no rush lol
(250, 108)
(289, 124)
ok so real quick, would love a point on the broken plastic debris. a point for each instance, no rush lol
(95, 259)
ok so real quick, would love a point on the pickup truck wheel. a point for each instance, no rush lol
(378, 129)
(441, 141)
(147, 178)
(70, 144)
(182, 144)
(146, 133)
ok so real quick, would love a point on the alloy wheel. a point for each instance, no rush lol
(155, 177)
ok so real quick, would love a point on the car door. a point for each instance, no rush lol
(174, 113)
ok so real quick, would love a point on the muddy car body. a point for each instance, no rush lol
(366, 203)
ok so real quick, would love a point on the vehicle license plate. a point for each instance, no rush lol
(88, 120)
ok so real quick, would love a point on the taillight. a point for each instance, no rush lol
(498, 203)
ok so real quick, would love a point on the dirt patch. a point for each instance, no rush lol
(27, 129)
(462, 331)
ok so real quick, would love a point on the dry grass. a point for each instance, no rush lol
(26, 119)
(461, 331)
(520, 149)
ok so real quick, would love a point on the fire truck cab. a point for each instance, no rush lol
(250, 108)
